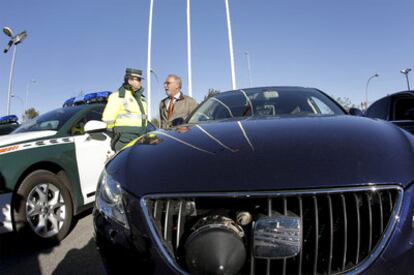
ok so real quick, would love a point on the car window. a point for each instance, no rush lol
(53, 120)
(78, 127)
(265, 102)
(319, 107)
(6, 129)
(404, 108)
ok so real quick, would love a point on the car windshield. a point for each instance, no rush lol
(53, 120)
(286, 102)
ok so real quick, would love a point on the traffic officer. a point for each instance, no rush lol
(125, 112)
(176, 105)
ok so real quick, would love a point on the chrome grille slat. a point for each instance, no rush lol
(341, 228)
(180, 224)
(315, 261)
(345, 231)
(381, 211)
(358, 229)
(370, 221)
(285, 212)
(269, 213)
(167, 214)
(331, 233)
(301, 222)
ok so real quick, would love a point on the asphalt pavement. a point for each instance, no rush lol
(76, 254)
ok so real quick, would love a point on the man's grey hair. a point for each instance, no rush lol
(176, 78)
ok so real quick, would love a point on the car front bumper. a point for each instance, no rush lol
(6, 224)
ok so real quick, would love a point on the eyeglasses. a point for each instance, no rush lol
(168, 82)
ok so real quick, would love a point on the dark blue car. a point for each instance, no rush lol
(275, 180)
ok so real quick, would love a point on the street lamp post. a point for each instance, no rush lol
(405, 72)
(233, 73)
(27, 92)
(366, 89)
(149, 58)
(189, 65)
(14, 40)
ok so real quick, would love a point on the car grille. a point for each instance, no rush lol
(342, 229)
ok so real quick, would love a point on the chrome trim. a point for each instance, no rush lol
(284, 193)
(180, 211)
(394, 218)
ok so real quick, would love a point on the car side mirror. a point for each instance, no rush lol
(177, 121)
(94, 126)
(355, 112)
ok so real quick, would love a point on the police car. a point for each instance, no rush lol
(8, 124)
(49, 168)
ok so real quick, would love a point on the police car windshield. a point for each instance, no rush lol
(277, 101)
(53, 120)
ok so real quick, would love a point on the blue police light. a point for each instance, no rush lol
(8, 119)
(79, 100)
(69, 102)
(87, 99)
(97, 97)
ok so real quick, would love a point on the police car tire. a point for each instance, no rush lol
(29, 183)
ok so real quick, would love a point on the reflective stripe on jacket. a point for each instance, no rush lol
(124, 111)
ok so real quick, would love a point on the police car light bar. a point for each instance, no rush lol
(69, 102)
(87, 99)
(8, 119)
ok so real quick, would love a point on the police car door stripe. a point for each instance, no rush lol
(34, 144)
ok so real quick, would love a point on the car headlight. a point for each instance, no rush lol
(109, 199)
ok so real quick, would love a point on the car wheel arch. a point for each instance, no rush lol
(56, 169)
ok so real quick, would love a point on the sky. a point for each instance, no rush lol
(85, 45)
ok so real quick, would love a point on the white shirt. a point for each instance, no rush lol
(177, 96)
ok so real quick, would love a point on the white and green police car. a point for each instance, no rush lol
(49, 168)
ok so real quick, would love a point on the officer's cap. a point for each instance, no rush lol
(133, 72)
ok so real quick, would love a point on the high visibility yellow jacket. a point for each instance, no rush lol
(123, 110)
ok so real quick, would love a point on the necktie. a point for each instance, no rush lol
(170, 107)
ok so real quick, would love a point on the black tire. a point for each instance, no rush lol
(43, 182)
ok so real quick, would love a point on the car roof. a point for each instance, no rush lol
(267, 88)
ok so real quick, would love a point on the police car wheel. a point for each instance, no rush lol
(45, 207)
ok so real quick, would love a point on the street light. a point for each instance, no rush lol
(14, 40)
(366, 89)
(405, 72)
(27, 92)
(7, 31)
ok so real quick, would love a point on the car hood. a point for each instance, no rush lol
(267, 154)
(21, 137)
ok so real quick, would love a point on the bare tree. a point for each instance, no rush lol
(211, 92)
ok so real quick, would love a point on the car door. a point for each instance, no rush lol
(92, 151)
